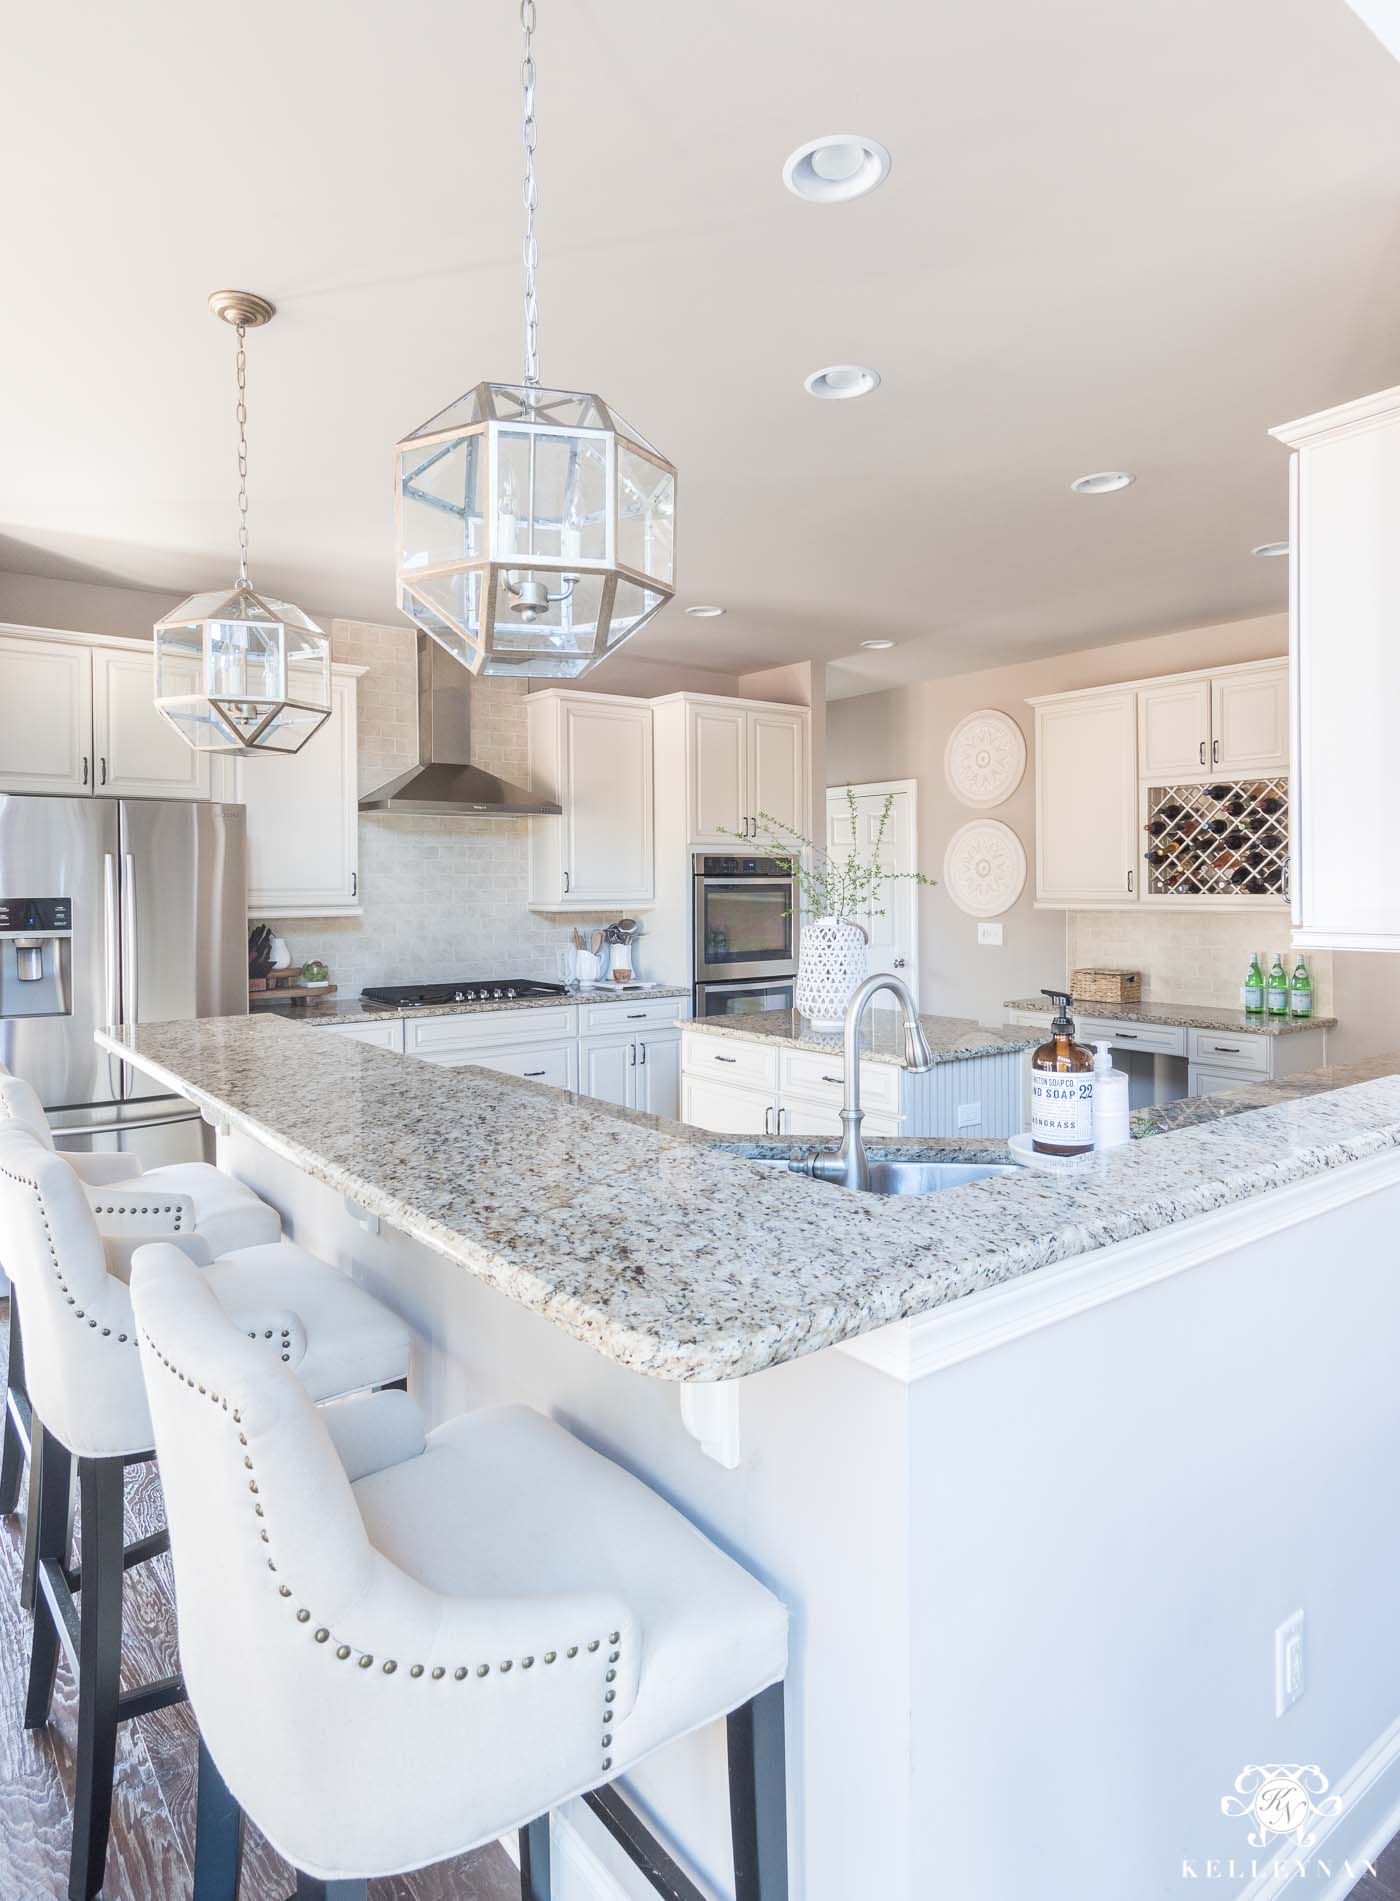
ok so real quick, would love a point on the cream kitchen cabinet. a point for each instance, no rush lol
(77, 716)
(1229, 725)
(592, 752)
(1086, 786)
(733, 760)
(1345, 609)
(637, 1071)
(304, 819)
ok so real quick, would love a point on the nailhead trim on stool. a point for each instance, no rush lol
(389, 1666)
(27, 1181)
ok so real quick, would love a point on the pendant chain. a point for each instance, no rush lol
(531, 254)
(241, 372)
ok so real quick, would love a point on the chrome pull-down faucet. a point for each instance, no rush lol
(848, 1167)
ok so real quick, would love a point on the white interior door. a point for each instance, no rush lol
(893, 937)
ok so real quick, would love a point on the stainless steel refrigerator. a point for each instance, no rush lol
(116, 911)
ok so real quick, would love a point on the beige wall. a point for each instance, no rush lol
(1191, 956)
(902, 735)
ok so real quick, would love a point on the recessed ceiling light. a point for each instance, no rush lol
(839, 380)
(704, 612)
(877, 646)
(839, 166)
(1102, 482)
(1270, 548)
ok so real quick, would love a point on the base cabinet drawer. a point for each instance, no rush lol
(1217, 1050)
(384, 1036)
(451, 1036)
(554, 1063)
(806, 1073)
(821, 1116)
(1158, 1039)
(730, 1059)
(1202, 1080)
(612, 1019)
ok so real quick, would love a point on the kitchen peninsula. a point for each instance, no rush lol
(974, 1440)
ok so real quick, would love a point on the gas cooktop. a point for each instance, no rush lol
(489, 990)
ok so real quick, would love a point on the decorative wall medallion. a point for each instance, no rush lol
(985, 757)
(984, 868)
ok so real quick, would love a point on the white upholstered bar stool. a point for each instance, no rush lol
(88, 1400)
(399, 1646)
(221, 1211)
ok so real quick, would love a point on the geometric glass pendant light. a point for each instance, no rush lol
(236, 670)
(536, 528)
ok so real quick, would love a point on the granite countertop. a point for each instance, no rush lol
(339, 1009)
(952, 1039)
(1186, 1016)
(651, 1244)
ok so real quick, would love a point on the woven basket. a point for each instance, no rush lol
(1106, 986)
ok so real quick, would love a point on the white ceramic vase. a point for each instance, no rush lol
(831, 962)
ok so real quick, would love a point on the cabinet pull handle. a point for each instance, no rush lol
(1203, 752)
(632, 1055)
(85, 768)
(781, 1114)
(103, 780)
(1130, 881)
(535, 1072)
(636, 1016)
(1215, 752)
(1226, 1049)
(768, 1118)
(566, 884)
(643, 1058)
(354, 884)
(833, 1079)
(726, 1059)
(1125, 1036)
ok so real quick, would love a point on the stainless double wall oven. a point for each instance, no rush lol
(745, 934)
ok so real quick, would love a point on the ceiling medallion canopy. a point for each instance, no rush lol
(236, 670)
(535, 527)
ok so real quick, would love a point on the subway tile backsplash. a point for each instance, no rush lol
(443, 897)
(1191, 956)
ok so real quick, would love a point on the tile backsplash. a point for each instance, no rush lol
(443, 897)
(1191, 956)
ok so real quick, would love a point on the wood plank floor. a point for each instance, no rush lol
(153, 1812)
(1384, 1885)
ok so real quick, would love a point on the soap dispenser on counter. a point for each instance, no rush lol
(1110, 1101)
(1062, 1088)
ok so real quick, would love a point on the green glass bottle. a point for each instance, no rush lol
(1276, 990)
(1254, 989)
(1300, 991)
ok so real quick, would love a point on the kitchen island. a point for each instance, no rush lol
(1036, 1462)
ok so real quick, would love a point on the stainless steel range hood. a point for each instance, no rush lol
(445, 783)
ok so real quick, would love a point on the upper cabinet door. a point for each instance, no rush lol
(777, 773)
(45, 716)
(1086, 800)
(1249, 722)
(1174, 731)
(607, 801)
(303, 820)
(718, 773)
(136, 754)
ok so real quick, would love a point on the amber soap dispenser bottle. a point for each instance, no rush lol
(1062, 1088)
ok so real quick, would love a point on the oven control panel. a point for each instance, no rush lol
(713, 867)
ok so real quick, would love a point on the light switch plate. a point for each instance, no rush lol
(988, 933)
(1290, 1663)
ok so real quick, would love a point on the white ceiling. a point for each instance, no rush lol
(1114, 236)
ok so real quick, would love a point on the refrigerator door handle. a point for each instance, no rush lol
(131, 1003)
(111, 999)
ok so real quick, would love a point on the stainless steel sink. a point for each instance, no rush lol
(922, 1178)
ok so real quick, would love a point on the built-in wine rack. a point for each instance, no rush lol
(1220, 840)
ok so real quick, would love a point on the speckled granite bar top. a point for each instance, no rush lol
(952, 1039)
(1185, 1016)
(353, 1010)
(646, 1241)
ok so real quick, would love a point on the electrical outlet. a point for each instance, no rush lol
(988, 933)
(969, 1114)
(1290, 1663)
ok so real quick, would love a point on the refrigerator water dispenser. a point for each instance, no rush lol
(36, 969)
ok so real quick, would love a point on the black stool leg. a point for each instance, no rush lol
(50, 1470)
(12, 1457)
(218, 1835)
(758, 1797)
(99, 1670)
(310, 1889)
(534, 1860)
